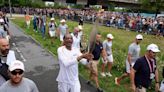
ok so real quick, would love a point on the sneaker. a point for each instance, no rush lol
(103, 74)
(99, 90)
(109, 74)
(117, 82)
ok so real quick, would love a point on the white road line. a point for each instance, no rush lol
(24, 60)
(17, 50)
(21, 55)
(14, 44)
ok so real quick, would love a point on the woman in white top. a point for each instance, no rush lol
(52, 29)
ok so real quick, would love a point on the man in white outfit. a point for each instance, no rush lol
(69, 57)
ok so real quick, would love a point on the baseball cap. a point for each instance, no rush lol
(110, 36)
(139, 36)
(16, 65)
(153, 47)
(63, 20)
(52, 19)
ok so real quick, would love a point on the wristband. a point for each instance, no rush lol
(156, 82)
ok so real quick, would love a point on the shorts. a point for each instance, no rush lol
(65, 87)
(128, 66)
(143, 89)
(52, 33)
(28, 23)
(109, 59)
(61, 37)
(93, 66)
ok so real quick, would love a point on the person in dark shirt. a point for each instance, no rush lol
(97, 52)
(145, 70)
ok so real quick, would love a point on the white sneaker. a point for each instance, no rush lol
(103, 74)
(109, 74)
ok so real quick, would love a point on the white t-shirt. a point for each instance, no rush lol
(76, 41)
(107, 45)
(68, 63)
(63, 29)
(134, 50)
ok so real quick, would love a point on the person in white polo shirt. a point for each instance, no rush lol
(133, 55)
(107, 45)
(69, 57)
(17, 82)
(62, 29)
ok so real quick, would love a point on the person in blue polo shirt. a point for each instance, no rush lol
(145, 70)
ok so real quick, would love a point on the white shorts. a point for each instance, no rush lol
(52, 33)
(65, 87)
(28, 23)
(128, 66)
(109, 59)
(61, 37)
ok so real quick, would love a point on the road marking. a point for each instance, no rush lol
(20, 53)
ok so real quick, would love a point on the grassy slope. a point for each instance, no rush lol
(121, 41)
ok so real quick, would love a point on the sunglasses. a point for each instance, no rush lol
(17, 72)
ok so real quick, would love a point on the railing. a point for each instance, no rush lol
(126, 1)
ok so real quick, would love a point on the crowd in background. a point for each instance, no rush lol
(68, 62)
(129, 21)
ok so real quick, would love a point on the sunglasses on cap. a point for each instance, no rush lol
(17, 72)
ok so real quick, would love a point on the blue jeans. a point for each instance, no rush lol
(43, 30)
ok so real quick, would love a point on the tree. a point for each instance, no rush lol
(153, 5)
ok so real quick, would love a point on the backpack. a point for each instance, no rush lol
(3, 70)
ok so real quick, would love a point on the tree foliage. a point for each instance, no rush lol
(152, 5)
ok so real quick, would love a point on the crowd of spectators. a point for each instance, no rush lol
(123, 20)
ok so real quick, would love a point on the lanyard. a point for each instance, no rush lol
(150, 67)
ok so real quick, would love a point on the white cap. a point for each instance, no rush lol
(80, 27)
(63, 20)
(139, 36)
(16, 65)
(153, 47)
(1, 20)
(110, 36)
(52, 19)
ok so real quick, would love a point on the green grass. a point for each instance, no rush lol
(121, 41)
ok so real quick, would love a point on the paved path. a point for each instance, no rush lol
(40, 65)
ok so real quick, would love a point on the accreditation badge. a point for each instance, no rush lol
(152, 75)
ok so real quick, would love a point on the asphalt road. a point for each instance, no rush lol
(40, 65)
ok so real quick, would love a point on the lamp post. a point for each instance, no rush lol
(10, 9)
